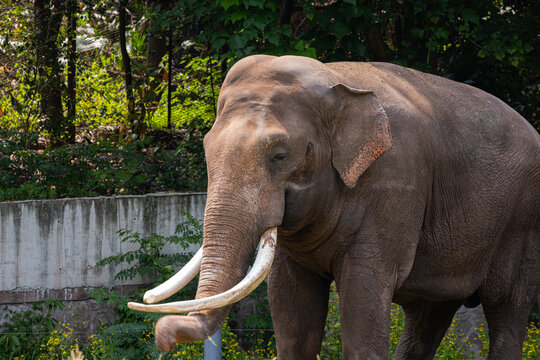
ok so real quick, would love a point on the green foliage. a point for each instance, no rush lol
(98, 168)
(234, 29)
(59, 343)
(18, 103)
(130, 336)
(99, 95)
(491, 45)
(194, 97)
(149, 259)
(24, 332)
(331, 345)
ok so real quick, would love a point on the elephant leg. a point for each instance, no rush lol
(508, 293)
(506, 322)
(426, 323)
(298, 304)
(365, 297)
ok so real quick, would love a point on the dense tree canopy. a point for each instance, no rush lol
(494, 45)
(143, 45)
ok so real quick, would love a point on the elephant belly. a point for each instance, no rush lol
(452, 270)
(437, 286)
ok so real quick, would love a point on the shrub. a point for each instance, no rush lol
(24, 332)
(194, 97)
(99, 168)
(59, 344)
(100, 96)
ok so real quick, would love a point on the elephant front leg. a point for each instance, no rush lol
(365, 297)
(298, 303)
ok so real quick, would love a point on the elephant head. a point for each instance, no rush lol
(289, 134)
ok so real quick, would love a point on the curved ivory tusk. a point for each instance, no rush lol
(255, 276)
(177, 282)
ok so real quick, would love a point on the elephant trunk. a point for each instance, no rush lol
(230, 242)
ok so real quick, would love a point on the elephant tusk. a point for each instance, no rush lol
(254, 277)
(176, 282)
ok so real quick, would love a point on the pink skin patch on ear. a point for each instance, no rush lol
(377, 143)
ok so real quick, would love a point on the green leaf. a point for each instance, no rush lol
(469, 15)
(16, 104)
(273, 39)
(218, 43)
(352, 2)
(339, 29)
(255, 3)
(139, 179)
(228, 3)
(15, 340)
(309, 52)
(236, 42)
(417, 33)
(299, 46)
(238, 15)
(286, 30)
(442, 34)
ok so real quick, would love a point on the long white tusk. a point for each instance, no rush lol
(255, 276)
(177, 282)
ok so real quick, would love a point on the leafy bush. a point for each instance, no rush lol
(59, 344)
(99, 168)
(100, 96)
(194, 96)
(24, 332)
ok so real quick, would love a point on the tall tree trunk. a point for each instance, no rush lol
(376, 45)
(128, 78)
(169, 81)
(285, 11)
(47, 21)
(72, 68)
(155, 50)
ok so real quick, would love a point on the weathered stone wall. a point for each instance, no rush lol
(49, 248)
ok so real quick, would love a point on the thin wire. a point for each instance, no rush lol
(115, 332)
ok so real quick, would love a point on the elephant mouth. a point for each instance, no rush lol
(257, 273)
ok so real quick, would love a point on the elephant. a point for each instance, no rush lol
(398, 185)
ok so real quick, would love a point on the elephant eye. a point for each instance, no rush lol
(279, 157)
(309, 148)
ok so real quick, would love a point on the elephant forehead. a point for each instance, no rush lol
(245, 130)
(267, 103)
(285, 69)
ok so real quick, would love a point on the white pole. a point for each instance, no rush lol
(212, 347)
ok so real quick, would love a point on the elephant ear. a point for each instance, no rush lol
(361, 132)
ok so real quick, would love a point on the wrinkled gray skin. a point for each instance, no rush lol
(399, 185)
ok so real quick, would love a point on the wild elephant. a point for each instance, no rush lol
(400, 186)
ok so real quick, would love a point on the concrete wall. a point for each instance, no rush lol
(49, 248)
